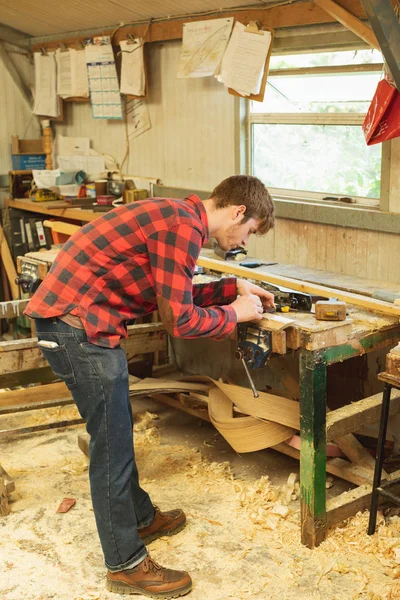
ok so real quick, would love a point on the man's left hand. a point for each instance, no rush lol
(245, 287)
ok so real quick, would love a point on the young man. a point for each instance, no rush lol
(129, 262)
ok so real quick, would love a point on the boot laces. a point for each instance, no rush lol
(150, 565)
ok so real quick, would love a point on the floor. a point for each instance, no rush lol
(242, 537)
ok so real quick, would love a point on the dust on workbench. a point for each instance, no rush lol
(241, 541)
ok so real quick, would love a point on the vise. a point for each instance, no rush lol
(254, 349)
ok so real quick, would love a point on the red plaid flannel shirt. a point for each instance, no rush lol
(114, 268)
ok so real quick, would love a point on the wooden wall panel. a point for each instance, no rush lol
(358, 252)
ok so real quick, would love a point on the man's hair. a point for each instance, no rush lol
(252, 193)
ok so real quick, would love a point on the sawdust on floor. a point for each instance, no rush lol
(241, 541)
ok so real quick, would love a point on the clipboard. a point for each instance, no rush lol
(253, 29)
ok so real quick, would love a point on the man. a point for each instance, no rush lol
(129, 262)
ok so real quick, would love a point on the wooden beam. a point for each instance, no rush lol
(335, 466)
(8, 410)
(8, 265)
(386, 26)
(195, 412)
(310, 288)
(298, 14)
(39, 393)
(25, 354)
(353, 416)
(15, 76)
(348, 20)
(349, 503)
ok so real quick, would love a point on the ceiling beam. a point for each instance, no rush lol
(9, 65)
(386, 26)
(293, 15)
(350, 21)
(12, 36)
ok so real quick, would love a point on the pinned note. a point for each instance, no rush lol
(243, 64)
(203, 46)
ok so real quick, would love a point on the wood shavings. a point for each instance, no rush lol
(143, 420)
(204, 519)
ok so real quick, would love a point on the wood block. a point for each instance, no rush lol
(351, 417)
(293, 338)
(393, 363)
(279, 342)
(4, 508)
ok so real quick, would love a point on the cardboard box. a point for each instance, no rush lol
(27, 154)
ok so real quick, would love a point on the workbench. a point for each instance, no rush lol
(318, 344)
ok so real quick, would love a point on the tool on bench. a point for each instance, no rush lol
(254, 349)
(287, 299)
(254, 264)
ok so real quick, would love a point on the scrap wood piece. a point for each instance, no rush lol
(8, 482)
(4, 507)
(66, 505)
(269, 419)
(150, 385)
(270, 422)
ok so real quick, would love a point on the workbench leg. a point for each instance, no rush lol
(313, 447)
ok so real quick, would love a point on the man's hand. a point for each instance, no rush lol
(248, 308)
(244, 288)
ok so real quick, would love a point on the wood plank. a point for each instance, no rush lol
(355, 451)
(349, 503)
(340, 468)
(310, 288)
(305, 13)
(9, 266)
(349, 21)
(35, 406)
(40, 393)
(195, 412)
(24, 354)
(5, 433)
(364, 412)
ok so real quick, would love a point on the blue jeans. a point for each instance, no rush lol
(98, 380)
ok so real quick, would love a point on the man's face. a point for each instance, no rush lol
(236, 234)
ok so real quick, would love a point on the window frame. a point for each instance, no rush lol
(248, 119)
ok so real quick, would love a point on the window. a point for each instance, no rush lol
(306, 139)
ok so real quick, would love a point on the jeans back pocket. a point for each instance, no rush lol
(59, 362)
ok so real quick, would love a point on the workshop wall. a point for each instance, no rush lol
(15, 116)
(191, 142)
(358, 252)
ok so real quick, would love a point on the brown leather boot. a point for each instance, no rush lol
(164, 523)
(150, 579)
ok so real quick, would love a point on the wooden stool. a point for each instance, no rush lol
(378, 488)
